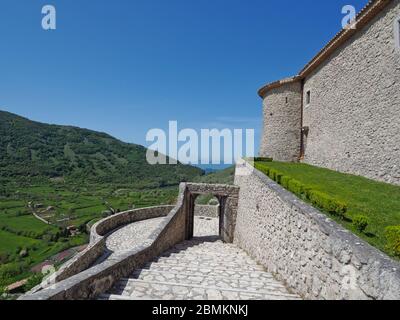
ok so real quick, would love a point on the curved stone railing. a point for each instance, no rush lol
(82, 278)
(52, 287)
(97, 237)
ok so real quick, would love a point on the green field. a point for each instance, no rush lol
(70, 177)
(76, 205)
(9, 242)
(378, 202)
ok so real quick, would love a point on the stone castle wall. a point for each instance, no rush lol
(353, 116)
(206, 211)
(354, 112)
(282, 123)
(316, 257)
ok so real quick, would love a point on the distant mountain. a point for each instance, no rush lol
(226, 176)
(31, 150)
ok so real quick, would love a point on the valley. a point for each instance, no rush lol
(56, 181)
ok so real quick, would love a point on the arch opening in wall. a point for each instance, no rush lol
(397, 33)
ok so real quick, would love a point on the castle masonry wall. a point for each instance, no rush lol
(282, 123)
(315, 256)
(354, 113)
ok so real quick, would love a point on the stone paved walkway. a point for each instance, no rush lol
(204, 268)
(204, 226)
(132, 235)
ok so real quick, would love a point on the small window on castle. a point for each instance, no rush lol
(287, 99)
(397, 33)
(308, 97)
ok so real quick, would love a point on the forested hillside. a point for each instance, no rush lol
(32, 150)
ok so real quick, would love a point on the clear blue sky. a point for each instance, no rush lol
(126, 66)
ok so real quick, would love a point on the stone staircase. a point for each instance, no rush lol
(203, 268)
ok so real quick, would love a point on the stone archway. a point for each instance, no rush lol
(228, 200)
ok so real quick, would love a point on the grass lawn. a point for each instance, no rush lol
(379, 202)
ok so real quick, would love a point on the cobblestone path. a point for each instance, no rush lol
(132, 235)
(203, 268)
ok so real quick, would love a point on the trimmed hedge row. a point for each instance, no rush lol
(317, 198)
(263, 159)
(393, 240)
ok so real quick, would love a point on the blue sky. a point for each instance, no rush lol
(126, 66)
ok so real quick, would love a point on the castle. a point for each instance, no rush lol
(342, 110)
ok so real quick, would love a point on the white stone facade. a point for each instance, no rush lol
(352, 123)
(282, 123)
(354, 114)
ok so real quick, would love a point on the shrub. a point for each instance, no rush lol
(4, 258)
(260, 159)
(327, 203)
(10, 270)
(296, 187)
(278, 177)
(272, 174)
(262, 168)
(33, 281)
(285, 181)
(361, 223)
(392, 235)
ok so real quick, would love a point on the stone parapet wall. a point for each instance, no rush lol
(109, 224)
(316, 257)
(99, 230)
(77, 281)
(96, 247)
(206, 211)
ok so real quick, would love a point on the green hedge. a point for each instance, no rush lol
(360, 222)
(297, 187)
(317, 198)
(327, 203)
(257, 159)
(393, 240)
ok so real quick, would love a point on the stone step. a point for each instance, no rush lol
(215, 246)
(207, 253)
(203, 264)
(223, 273)
(189, 258)
(222, 282)
(219, 245)
(117, 297)
(184, 291)
(204, 270)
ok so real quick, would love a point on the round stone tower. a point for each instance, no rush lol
(281, 139)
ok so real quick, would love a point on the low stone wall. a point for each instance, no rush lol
(92, 253)
(80, 282)
(315, 256)
(96, 248)
(206, 211)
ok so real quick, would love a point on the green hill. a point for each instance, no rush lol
(35, 151)
(225, 176)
